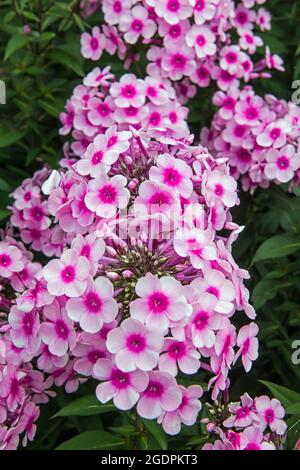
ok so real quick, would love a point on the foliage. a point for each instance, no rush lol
(40, 68)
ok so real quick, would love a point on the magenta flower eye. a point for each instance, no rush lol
(173, 5)
(68, 274)
(5, 260)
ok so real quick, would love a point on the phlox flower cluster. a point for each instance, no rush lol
(143, 289)
(259, 136)
(102, 101)
(250, 424)
(22, 386)
(191, 42)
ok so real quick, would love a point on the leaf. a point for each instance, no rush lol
(15, 43)
(85, 406)
(92, 440)
(268, 287)
(293, 409)
(66, 59)
(9, 136)
(277, 247)
(4, 186)
(157, 432)
(285, 395)
(4, 213)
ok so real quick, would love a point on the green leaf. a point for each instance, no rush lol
(66, 59)
(15, 43)
(277, 246)
(4, 186)
(92, 440)
(157, 432)
(9, 136)
(4, 213)
(85, 406)
(285, 395)
(268, 287)
(293, 409)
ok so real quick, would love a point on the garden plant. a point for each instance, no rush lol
(150, 225)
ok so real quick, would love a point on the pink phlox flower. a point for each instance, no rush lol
(271, 413)
(123, 387)
(134, 346)
(179, 355)
(95, 307)
(57, 330)
(162, 394)
(161, 302)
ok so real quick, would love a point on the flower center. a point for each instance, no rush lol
(86, 251)
(94, 44)
(27, 196)
(151, 91)
(131, 111)
(251, 113)
(136, 343)
(171, 176)
(159, 198)
(158, 302)
(242, 17)
(243, 412)
(37, 213)
(117, 7)
(173, 5)
(61, 329)
(199, 5)
(177, 350)
(213, 290)
(103, 109)
(120, 379)
(173, 117)
(175, 31)
(93, 356)
(219, 190)
(97, 157)
(154, 389)
(269, 415)
(128, 91)
(137, 25)
(178, 61)
(108, 194)
(239, 131)
(154, 118)
(112, 141)
(231, 57)
(201, 41)
(283, 163)
(68, 274)
(5, 260)
(275, 133)
(200, 320)
(92, 302)
(28, 321)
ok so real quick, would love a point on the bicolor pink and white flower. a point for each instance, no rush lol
(134, 346)
(57, 330)
(92, 45)
(161, 302)
(67, 275)
(106, 195)
(162, 394)
(272, 413)
(124, 388)
(95, 307)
